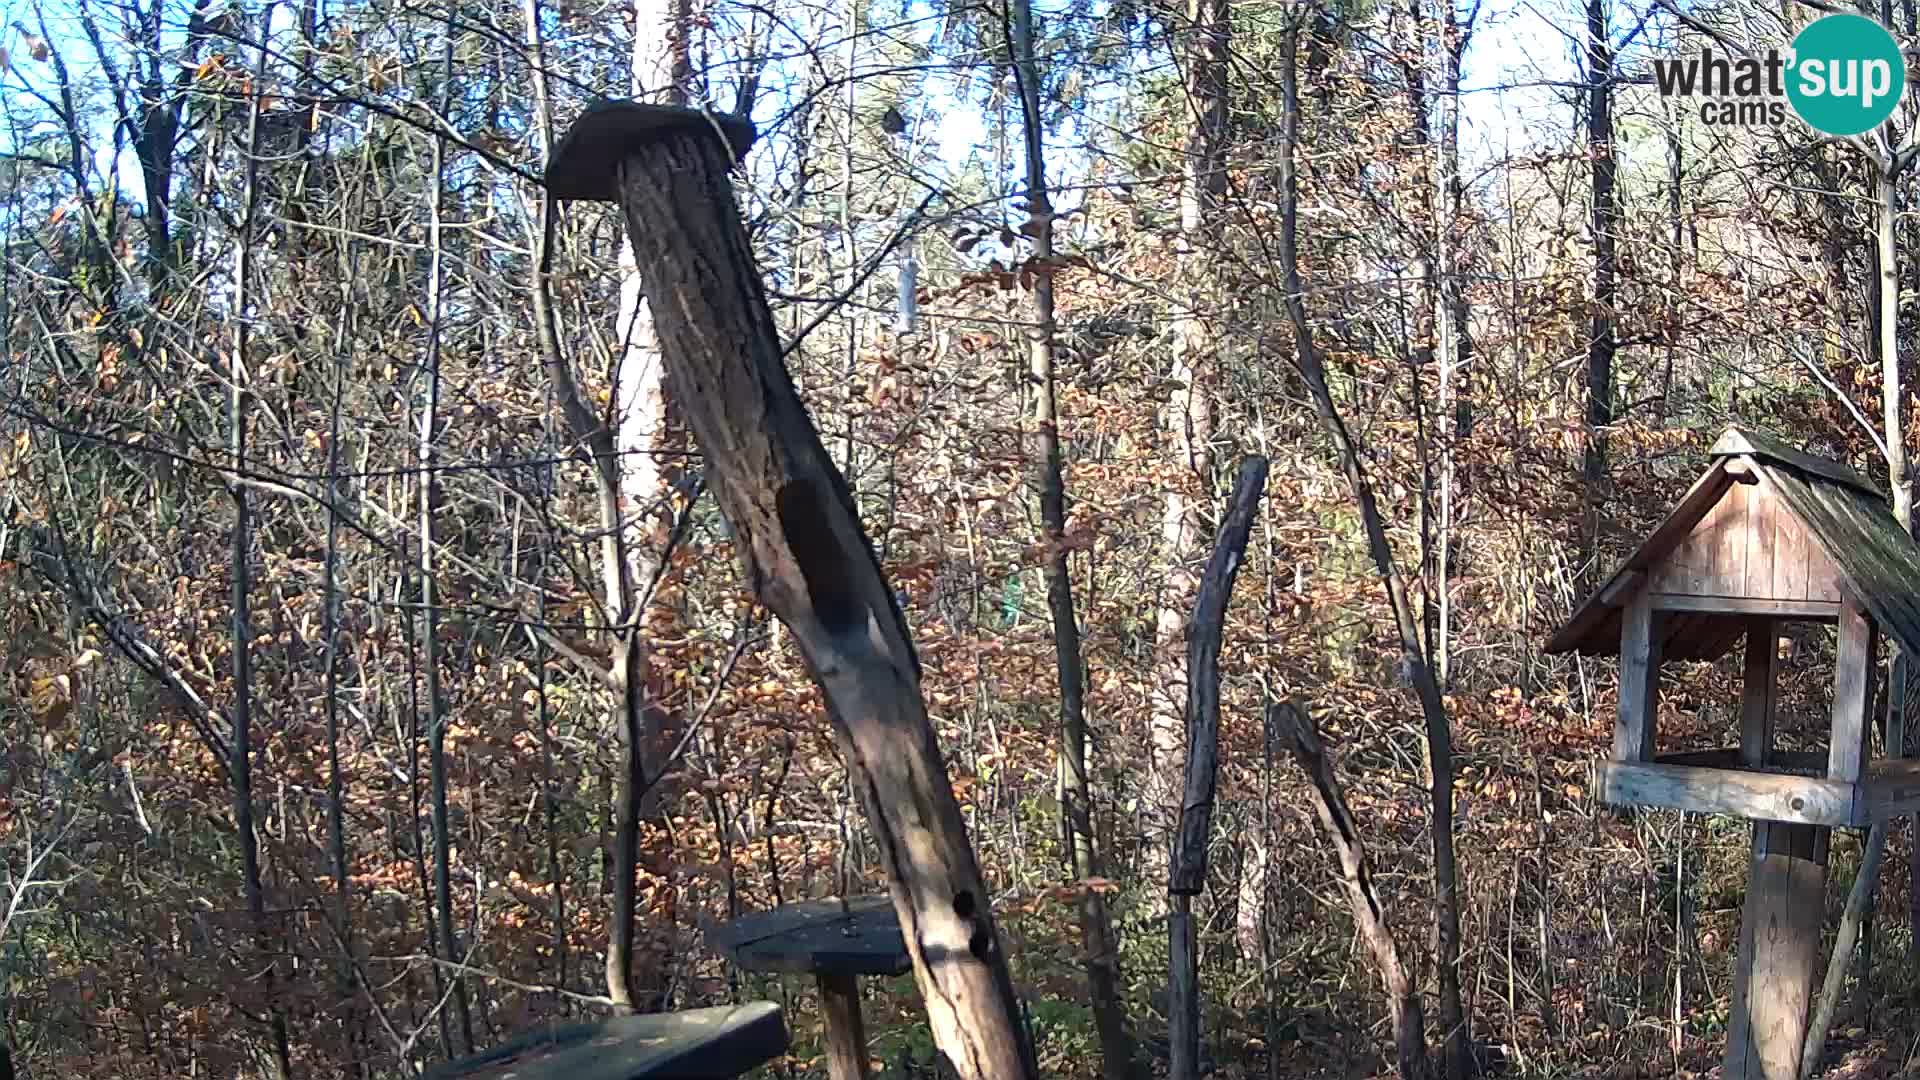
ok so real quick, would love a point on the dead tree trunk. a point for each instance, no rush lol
(1403, 1001)
(1187, 875)
(1413, 653)
(802, 547)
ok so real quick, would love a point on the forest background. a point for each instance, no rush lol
(380, 681)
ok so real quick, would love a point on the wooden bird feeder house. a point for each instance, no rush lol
(1769, 535)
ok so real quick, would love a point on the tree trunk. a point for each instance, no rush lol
(1606, 216)
(1101, 952)
(239, 406)
(1187, 870)
(808, 560)
(1404, 1006)
(330, 630)
(429, 436)
(1438, 727)
(662, 70)
(1188, 417)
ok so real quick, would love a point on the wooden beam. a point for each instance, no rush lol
(846, 1031)
(1852, 686)
(1759, 678)
(1806, 763)
(1803, 800)
(1779, 948)
(1639, 680)
(1752, 607)
(1743, 469)
(1621, 588)
(1891, 789)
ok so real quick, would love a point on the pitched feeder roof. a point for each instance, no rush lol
(1844, 514)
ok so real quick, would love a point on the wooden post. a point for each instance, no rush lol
(1758, 685)
(1639, 678)
(1779, 951)
(846, 1031)
(1187, 875)
(1786, 888)
(800, 542)
(1852, 689)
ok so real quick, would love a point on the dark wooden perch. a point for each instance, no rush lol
(801, 545)
(835, 942)
(699, 1044)
(1188, 873)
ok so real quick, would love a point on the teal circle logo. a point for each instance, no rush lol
(1846, 74)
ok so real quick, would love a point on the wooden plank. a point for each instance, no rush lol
(1804, 800)
(1762, 527)
(860, 936)
(1824, 581)
(1891, 789)
(1728, 569)
(698, 1044)
(1852, 684)
(1805, 610)
(1789, 551)
(1633, 735)
(1779, 947)
(846, 1031)
(1806, 763)
(1759, 680)
(1753, 548)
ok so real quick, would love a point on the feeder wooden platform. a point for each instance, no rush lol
(819, 937)
(836, 942)
(1797, 792)
(698, 1044)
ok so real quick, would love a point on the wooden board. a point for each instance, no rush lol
(1779, 949)
(1798, 610)
(819, 937)
(1633, 732)
(1715, 782)
(698, 1044)
(1759, 678)
(1802, 800)
(1853, 679)
(1749, 545)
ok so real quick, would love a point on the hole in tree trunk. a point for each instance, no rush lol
(804, 515)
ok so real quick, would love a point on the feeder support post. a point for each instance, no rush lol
(801, 546)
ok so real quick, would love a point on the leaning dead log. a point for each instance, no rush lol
(1188, 874)
(1343, 833)
(801, 545)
